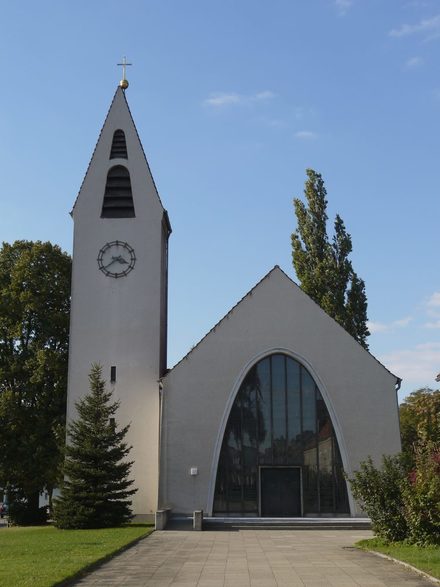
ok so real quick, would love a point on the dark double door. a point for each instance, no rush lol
(280, 492)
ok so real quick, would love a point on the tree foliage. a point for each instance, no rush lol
(34, 334)
(402, 498)
(96, 490)
(380, 491)
(323, 267)
(420, 420)
(422, 495)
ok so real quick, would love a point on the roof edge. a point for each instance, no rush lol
(94, 150)
(119, 89)
(249, 293)
(340, 326)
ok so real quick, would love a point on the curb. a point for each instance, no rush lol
(403, 564)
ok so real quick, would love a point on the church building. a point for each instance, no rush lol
(263, 416)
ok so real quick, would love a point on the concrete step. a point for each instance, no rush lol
(227, 523)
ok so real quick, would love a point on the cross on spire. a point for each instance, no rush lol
(124, 83)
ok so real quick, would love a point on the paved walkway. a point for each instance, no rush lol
(251, 558)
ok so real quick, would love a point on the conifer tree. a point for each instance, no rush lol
(96, 490)
(323, 267)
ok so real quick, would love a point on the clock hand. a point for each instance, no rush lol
(114, 259)
(121, 260)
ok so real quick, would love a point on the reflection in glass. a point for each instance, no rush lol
(265, 409)
(279, 433)
(294, 434)
(279, 418)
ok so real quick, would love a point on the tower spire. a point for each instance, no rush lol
(124, 83)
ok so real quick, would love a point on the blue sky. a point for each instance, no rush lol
(233, 100)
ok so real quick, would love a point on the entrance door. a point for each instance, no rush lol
(280, 492)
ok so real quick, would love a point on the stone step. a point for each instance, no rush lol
(227, 523)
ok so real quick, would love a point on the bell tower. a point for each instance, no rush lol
(119, 290)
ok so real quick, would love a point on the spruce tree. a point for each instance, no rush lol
(323, 267)
(96, 490)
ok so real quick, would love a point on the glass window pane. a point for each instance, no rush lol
(264, 404)
(310, 469)
(233, 430)
(250, 497)
(248, 396)
(279, 418)
(234, 487)
(294, 450)
(325, 456)
(308, 404)
(279, 408)
(220, 501)
(341, 497)
(310, 489)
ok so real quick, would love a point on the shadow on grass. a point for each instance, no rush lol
(74, 577)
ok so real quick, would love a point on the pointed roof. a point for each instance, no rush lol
(118, 107)
(277, 269)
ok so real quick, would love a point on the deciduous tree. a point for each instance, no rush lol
(34, 334)
(420, 419)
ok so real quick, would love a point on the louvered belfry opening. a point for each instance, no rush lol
(119, 146)
(118, 199)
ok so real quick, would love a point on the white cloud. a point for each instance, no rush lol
(434, 300)
(343, 6)
(375, 327)
(418, 4)
(220, 99)
(414, 63)
(273, 122)
(418, 366)
(432, 306)
(427, 26)
(306, 135)
(266, 95)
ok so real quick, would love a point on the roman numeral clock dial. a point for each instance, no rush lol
(116, 259)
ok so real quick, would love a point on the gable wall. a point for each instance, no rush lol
(199, 391)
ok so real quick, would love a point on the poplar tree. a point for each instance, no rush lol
(322, 266)
(96, 490)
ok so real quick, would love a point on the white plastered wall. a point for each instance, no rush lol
(198, 393)
(117, 321)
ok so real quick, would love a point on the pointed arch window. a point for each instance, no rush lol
(119, 146)
(279, 456)
(118, 198)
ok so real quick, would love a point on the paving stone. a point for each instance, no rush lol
(251, 558)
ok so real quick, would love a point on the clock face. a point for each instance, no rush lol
(116, 259)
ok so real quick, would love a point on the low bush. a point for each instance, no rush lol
(20, 514)
(380, 492)
(403, 504)
(422, 497)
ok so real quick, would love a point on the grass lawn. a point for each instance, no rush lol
(43, 556)
(424, 558)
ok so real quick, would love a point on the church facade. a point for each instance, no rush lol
(264, 415)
